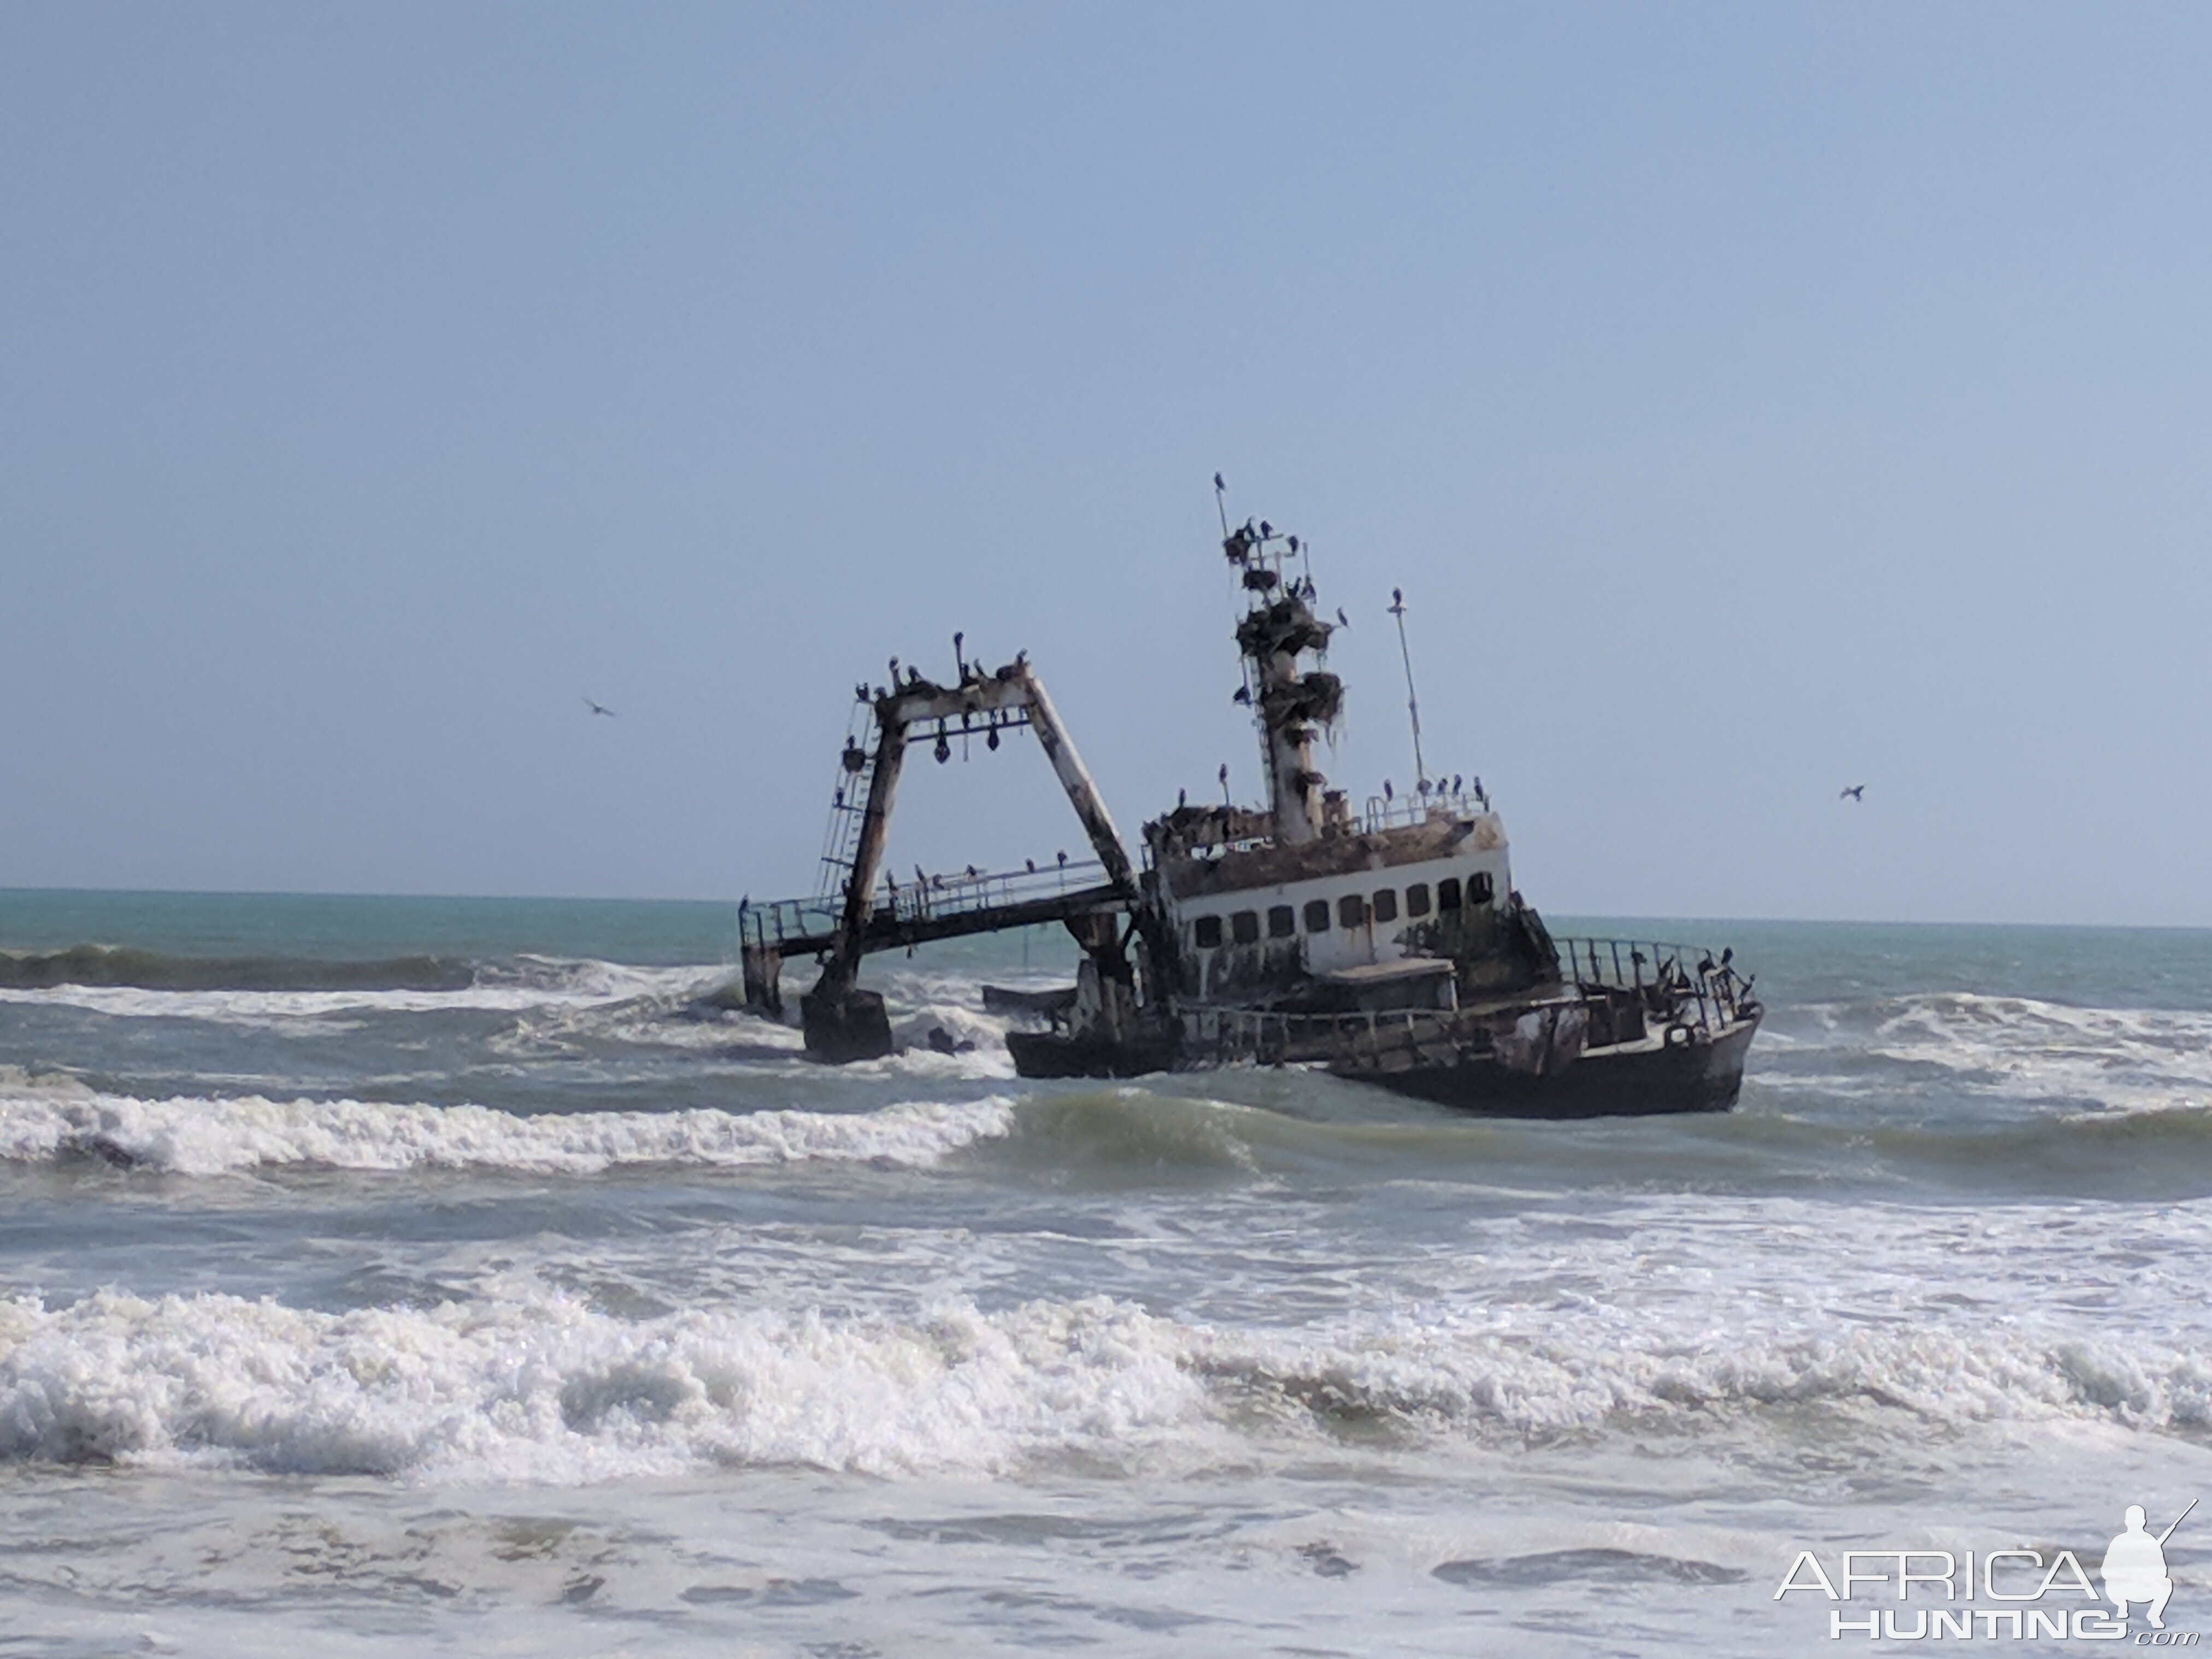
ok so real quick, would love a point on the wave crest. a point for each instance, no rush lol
(199, 1136)
(544, 1387)
(548, 1389)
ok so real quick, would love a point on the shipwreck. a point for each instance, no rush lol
(1386, 944)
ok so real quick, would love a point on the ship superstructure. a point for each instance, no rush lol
(1307, 902)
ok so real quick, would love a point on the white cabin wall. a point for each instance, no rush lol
(1339, 947)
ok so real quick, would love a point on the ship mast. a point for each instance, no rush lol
(1413, 702)
(1290, 705)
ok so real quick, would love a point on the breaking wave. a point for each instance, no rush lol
(543, 1388)
(203, 1136)
(1551, 1385)
(2016, 1049)
(211, 990)
(1126, 1136)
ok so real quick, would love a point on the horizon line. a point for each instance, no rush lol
(577, 898)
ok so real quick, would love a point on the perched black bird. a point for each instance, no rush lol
(1217, 484)
(1342, 621)
(1032, 865)
(1242, 694)
(1386, 789)
(1266, 530)
(1857, 792)
(1455, 788)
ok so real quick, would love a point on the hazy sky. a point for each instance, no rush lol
(1751, 400)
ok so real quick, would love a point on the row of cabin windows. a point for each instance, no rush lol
(1351, 911)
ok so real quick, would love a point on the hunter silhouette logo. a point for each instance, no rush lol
(2134, 1566)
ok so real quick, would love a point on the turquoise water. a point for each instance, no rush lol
(440, 1275)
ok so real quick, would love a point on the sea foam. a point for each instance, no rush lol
(212, 1136)
(530, 985)
(546, 1387)
(2004, 1047)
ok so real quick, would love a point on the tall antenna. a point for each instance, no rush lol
(1413, 703)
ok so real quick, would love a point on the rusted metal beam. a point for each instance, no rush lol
(1075, 779)
(925, 701)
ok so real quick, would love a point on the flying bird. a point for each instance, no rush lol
(598, 709)
(1857, 792)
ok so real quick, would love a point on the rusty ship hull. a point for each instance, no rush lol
(1635, 1080)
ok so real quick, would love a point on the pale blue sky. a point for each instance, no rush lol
(1751, 400)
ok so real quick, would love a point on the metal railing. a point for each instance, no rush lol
(1403, 810)
(1234, 1033)
(1676, 985)
(769, 922)
(1683, 984)
(928, 897)
(931, 897)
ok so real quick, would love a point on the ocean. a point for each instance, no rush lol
(435, 1275)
